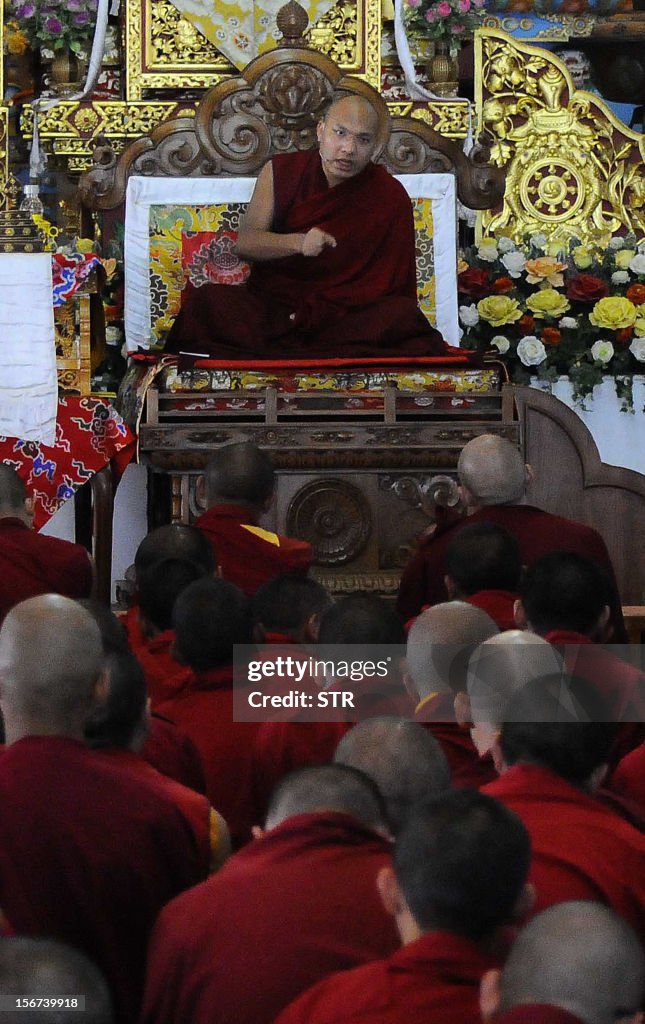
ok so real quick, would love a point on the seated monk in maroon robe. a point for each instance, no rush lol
(575, 963)
(331, 239)
(460, 868)
(291, 907)
(88, 854)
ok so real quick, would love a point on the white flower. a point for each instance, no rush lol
(469, 315)
(602, 351)
(514, 262)
(568, 323)
(637, 349)
(501, 343)
(620, 277)
(531, 351)
(538, 240)
(637, 265)
(487, 250)
(616, 243)
(505, 244)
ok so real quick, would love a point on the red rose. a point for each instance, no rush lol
(551, 336)
(474, 283)
(503, 285)
(526, 325)
(586, 288)
(636, 294)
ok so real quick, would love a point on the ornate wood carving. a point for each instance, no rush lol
(273, 107)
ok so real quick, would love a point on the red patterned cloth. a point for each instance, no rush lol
(69, 273)
(89, 434)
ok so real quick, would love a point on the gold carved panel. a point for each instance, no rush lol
(572, 168)
(164, 51)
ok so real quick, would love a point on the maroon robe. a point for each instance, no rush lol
(537, 533)
(32, 564)
(467, 768)
(164, 675)
(89, 856)
(245, 557)
(535, 1013)
(436, 978)
(499, 604)
(204, 711)
(629, 778)
(284, 912)
(357, 299)
(581, 849)
(173, 753)
(194, 806)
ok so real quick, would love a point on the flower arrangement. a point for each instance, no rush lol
(15, 41)
(552, 308)
(443, 19)
(56, 24)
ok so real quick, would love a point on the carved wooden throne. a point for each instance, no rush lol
(355, 445)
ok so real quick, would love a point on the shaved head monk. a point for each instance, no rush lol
(88, 855)
(493, 478)
(405, 761)
(291, 907)
(460, 867)
(330, 236)
(238, 485)
(32, 563)
(577, 963)
(440, 641)
(35, 967)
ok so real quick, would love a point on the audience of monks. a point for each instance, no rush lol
(463, 844)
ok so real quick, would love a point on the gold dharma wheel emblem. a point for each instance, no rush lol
(552, 191)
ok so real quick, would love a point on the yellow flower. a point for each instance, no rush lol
(613, 313)
(582, 257)
(545, 268)
(639, 327)
(554, 248)
(84, 245)
(499, 310)
(547, 303)
(461, 266)
(624, 258)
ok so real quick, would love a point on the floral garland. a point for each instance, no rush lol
(551, 308)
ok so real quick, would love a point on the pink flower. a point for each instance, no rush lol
(413, 3)
(444, 9)
(458, 27)
(431, 16)
(479, 3)
(464, 6)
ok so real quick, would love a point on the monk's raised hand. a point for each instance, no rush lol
(315, 241)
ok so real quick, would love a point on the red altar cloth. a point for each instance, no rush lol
(90, 433)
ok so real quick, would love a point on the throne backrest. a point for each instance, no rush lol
(273, 107)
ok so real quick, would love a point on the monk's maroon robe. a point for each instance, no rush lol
(89, 856)
(172, 753)
(357, 299)
(32, 564)
(581, 849)
(436, 978)
(537, 533)
(248, 556)
(629, 778)
(467, 769)
(282, 913)
(204, 711)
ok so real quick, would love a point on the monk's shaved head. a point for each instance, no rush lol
(50, 658)
(239, 473)
(41, 967)
(492, 471)
(402, 757)
(175, 541)
(330, 788)
(581, 957)
(440, 642)
(353, 105)
(12, 489)
(502, 666)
